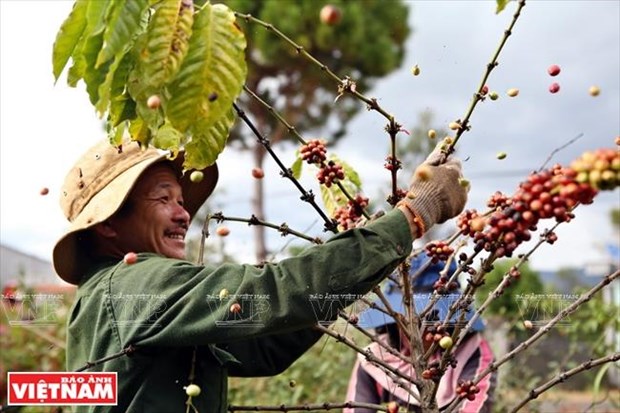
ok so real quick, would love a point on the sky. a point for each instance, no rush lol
(44, 126)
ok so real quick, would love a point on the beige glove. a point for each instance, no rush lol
(435, 193)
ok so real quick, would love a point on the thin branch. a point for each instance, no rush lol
(534, 393)
(543, 330)
(124, 352)
(478, 96)
(283, 228)
(307, 196)
(558, 149)
(308, 407)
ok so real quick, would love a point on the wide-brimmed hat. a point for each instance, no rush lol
(98, 185)
(423, 286)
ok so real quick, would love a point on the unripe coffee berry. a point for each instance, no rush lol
(512, 92)
(493, 96)
(196, 176)
(446, 343)
(192, 390)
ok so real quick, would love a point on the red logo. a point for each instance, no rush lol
(62, 388)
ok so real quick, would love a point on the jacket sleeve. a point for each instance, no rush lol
(269, 355)
(182, 304)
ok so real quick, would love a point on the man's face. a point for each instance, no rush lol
(154, 220)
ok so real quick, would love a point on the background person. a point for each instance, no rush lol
(370, 384)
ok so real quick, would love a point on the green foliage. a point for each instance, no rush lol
(507, 304)
(126, 52)
(501, 5)
(614, 216)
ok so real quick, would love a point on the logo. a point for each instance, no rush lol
(62, 388)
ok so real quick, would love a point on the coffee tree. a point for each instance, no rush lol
(174, 74)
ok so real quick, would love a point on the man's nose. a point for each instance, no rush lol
(180, 213)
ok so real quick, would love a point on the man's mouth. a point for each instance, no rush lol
(177, 235)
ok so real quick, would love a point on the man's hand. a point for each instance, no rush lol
(435, 193)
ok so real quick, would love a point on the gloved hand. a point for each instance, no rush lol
(435, 193)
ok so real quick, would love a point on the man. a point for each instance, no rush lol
(180, 319)
(370, 384)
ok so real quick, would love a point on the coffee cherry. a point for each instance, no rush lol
(314, 151)
(235, 308)
(528, 324)
(594, 90)
(153, 102)
(292, 383)
(330, 173)
(130, 258)
(432, 134)
(222, 231)
(553, 70)
(223, 294)
(392, 407)
(446, 343)
(512, 92)
(192, 390)
(44, 191)
(617, 140)
(454, 125)
(415, 70)
(554, 88)
(501, 155)
(484, 90)
(493, 96)
(330, 15)
(196, 176)
(258, 173)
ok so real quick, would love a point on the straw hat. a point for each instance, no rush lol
(97, 186)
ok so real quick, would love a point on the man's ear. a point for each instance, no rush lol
(105, 229)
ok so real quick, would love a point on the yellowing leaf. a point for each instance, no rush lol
(213, 72)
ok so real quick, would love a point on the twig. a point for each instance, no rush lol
(291, 129)
(534, 393)
(283, 228)
(478, 96)
(124, 352)
(558, 149)
(307, 196)
(346, 85)
(307, 407)
(543, 330)
(371, 358)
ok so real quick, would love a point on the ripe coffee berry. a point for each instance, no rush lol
(314, 151)
(330, 173)
(554, 88)
(553, 70)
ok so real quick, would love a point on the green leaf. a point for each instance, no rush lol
(168, 138)
(501, 4)
(123, 24)
(68, 37)
(106, 90)
(140, 132)
(213, 72)
(205, 147)
(167, 42)
(95, 13)
(297, 167)
(122, 108)
(115, 135)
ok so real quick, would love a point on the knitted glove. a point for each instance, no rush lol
(435, 193)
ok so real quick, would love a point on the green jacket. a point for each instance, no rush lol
(167, 307)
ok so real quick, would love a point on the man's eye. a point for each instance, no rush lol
(164, 199)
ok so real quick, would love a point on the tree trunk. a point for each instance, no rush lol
(258, 204)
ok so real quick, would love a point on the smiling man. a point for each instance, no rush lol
(192, 326)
